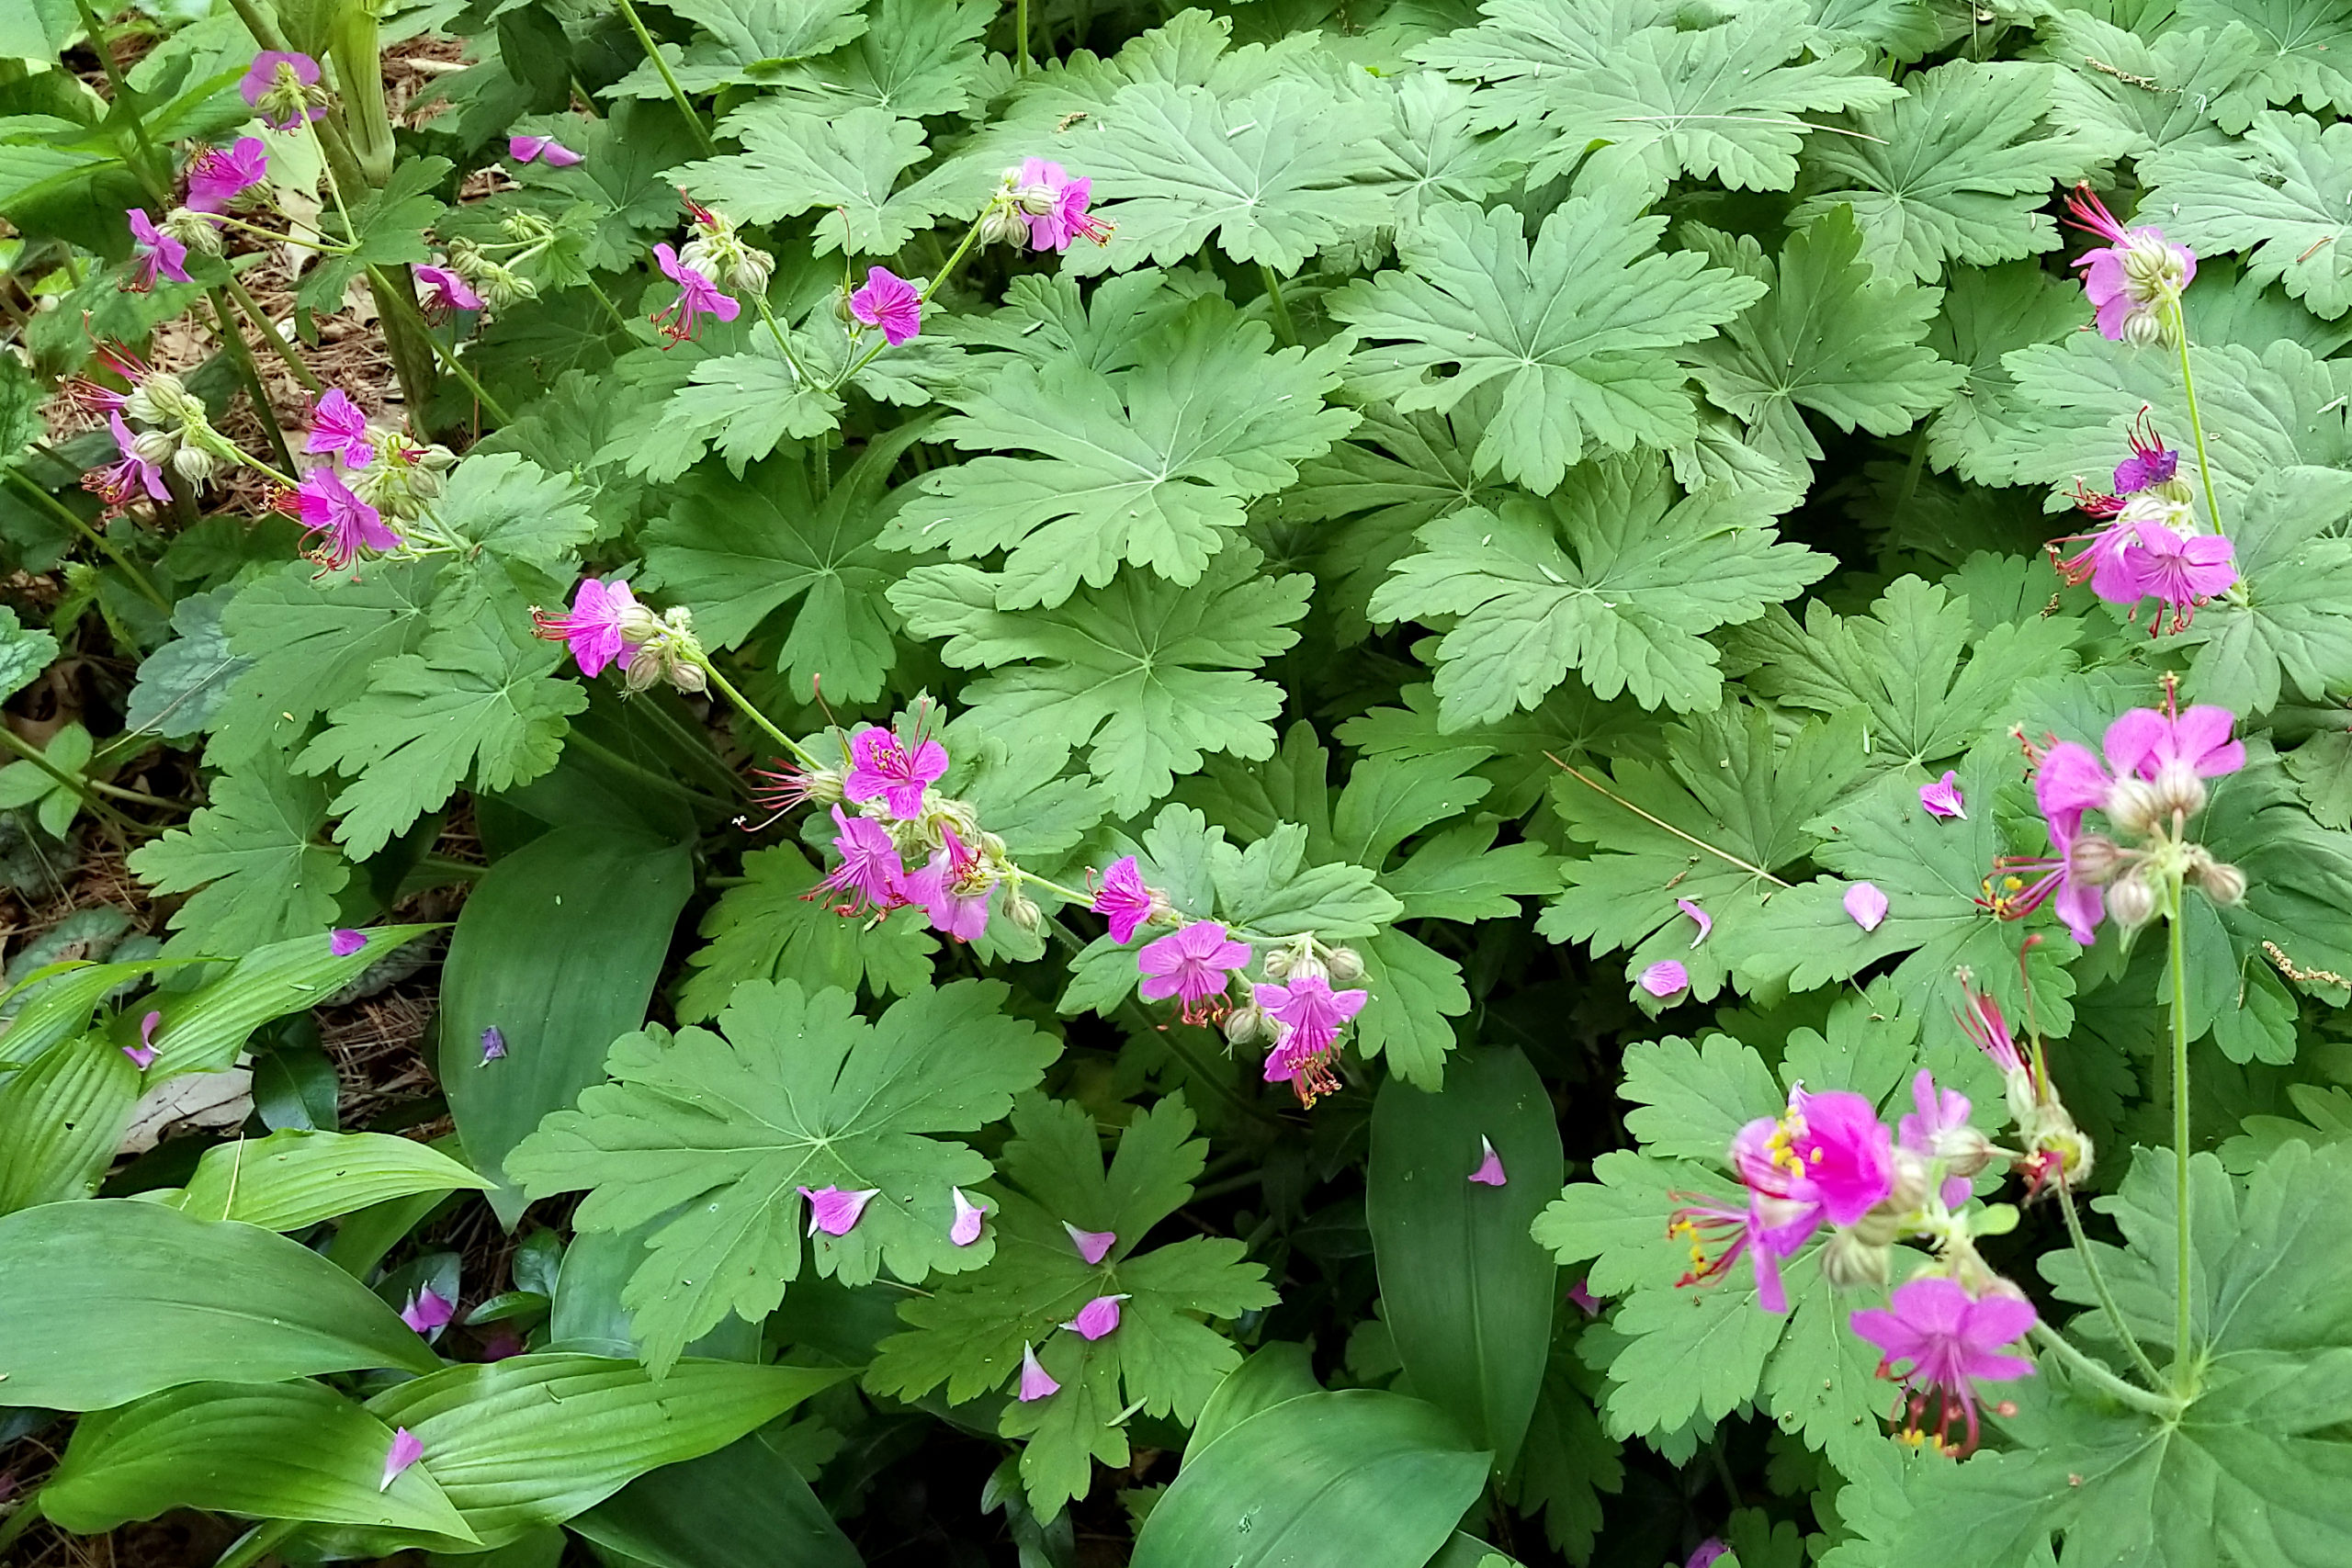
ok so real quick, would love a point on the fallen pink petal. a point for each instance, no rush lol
(1665, 979)
(1942, 798)
(343, 942)
(1093, 1246)
(969, 1216)
(1035, 1381)
(1704, 922)
(833, 1210)
(1490, 1166)
(428, 1314)
(1096, 1318)
(1866, 904)
(406, 1450)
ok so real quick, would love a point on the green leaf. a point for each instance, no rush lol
(1271, 1375)
(769, 928)
(204, 1029)
(1147, 676)
(2321, 767)
(1833, 336)
(1901, 665)
(1363, 1476)
(111, 1299)
(2271, 193)
(970, 1332)
(1722, 101)
(506, 505)
(532, 1441)
(61, 1120)
(1468, 1296)
(2147, 95)
(1460, 874)
(2289, 624)
(1153, 465)
(24, 653)
(1416, 990)
(1272, 889)
(293, 1179)
(183, 684)
(1712, 827)
(252, 860)
(1956, 170)
(314, 642)
(558, 948)
(749, 40)
(478, 701)
(1572, 336)
(738, 550)
(917, 58)
(388, 229)
(1524, 49)
(741, 405)
(1566, 1464)
(291, 1451)
(742, 1506)
(1274, 175)
(1988, 312)
(795, 159)
(54, 801)
(1612, 578)
(2293, 38)
(799, 1092)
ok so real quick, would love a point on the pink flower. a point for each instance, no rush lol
(428, 1314)
(834, 1210)
(343, 942)
(965, 1230)
(1055, 206)
(122, 482)
(1093, 1246)
(880, 766)
(952, 890)
(1096, 1318)
(870, 875)
(1309, 1016)
(338, 427)
(349, 524)
(1122, 900)
(1937, 1339)
(525, 148)
(1942, 798)
(503, 1342)
(2182, 571)
(96, 396)
(1981, 1021)
(2101, 561)
(1490, 1168)
(1587, 1302)
(2151, 463)
(2129, 277)
(1035, 1381)
(1191, 963)
(698, 296)
(493, 1045)
(217, 179)
(1866, 904)
(142, 1054)
(2147, 741)
(445, 293)
(280, 77)
(152, 252)
(1938, 1129)
(1827, 1157)
(406, 1450)
(1665, 978)
(1707, 921)
(1704, 1554)
(594, 628)
(890, 302)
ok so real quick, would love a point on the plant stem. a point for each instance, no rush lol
(1283, 323)
(2196, 428)
(783, 342)
(269, 333)
(334, 185)
(2175, 947)
(2164, 1405)
(389, 288)
(677, 93)
(743, 705)
(150, 168)
(2099, 1288)
(26, 1515)
(241, 355)
(606, 300)
(65, 513)
(1067, 894)
(612, 758)
(1020, 33)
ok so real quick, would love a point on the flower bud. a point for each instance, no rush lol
(1304, 965)
(193, 230)
(752, 271)
(155, 445)
(2179, 790)
(2145, 329)
(1018, 908)
(435, 458)
(1847, 1260)
(1243, 1024)
(529, 227)
(2223, 884)
(2094, 859)
(2133, 900)
(1036, 199)
(1003, 226)
(688, 678)
(1278, 964)
(162, 399)
(194, 463)
(2133, 807)
(638, 624)
(1345, 965)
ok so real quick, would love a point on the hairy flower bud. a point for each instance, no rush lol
(1243, 1024)
(2096, 859)
(162, 399)
(638, 624)
(751, 269)
(2146, 329)
(2222, 882)
(1018, 908)
(529, 227)
(1847, 1260)
(193, 230)
(1003, 226)
(1277, 965)
(2133, 807)
(1036, 199)
(155, 445)
(1345, 965)
(194, 463)
(2179, 790)
(2133, 900)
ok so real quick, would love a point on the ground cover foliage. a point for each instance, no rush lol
(1560, 782)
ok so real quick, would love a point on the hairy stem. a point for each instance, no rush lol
(2175, 947)
(269, 333)
(152, 169)
(2101, 1289)
(743, 705)
(388, 287)
(677, 93)
(2159, 1405)
(2195, 425)
(1283, 323)
(241, 355)
(606, 301)
(66, 515)
(1020, 33)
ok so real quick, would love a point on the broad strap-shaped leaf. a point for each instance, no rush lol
(1572, 333)
(1712, 827)
(797, 1091)
(1835, 336)
(296, 1178)
(1956, 171)
(795, 159)
(970, 1332)
(1613, 578)
(252, 860)
(2275, 192)
(1151, 465)
(1147, 675)
(62, 1119)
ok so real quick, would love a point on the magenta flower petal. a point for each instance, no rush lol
(1122, 900)
(952, 890)
(141, 1056)
(1942, 798)
(428, 1314)
(1096, 1318)
(1705, 1553)
(698, 296)
(1587, 1302)
(1707, 921)
(595, 628)
(1490, 1168)
(344, 525)
(890, 302)
(343, 942)
(833, 1210)
(1093, 1246)
(965, 1230)
(1035, 1381)
(218, 176)
(1866, 904)
(338, 427)
(881, 768)
(406, 1450)
(493, 1045)
(871, 875)
(1665, 979)
(1307, 1015)
(1192, 964)
(1938, 1340)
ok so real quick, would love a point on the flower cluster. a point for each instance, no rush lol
(2160, 758)
(606, 624)
(1041, 203)
(156, 422)
(714, 253)
(1827, 1161)
(2135, 279)
(374, 483)
(2148, 544)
